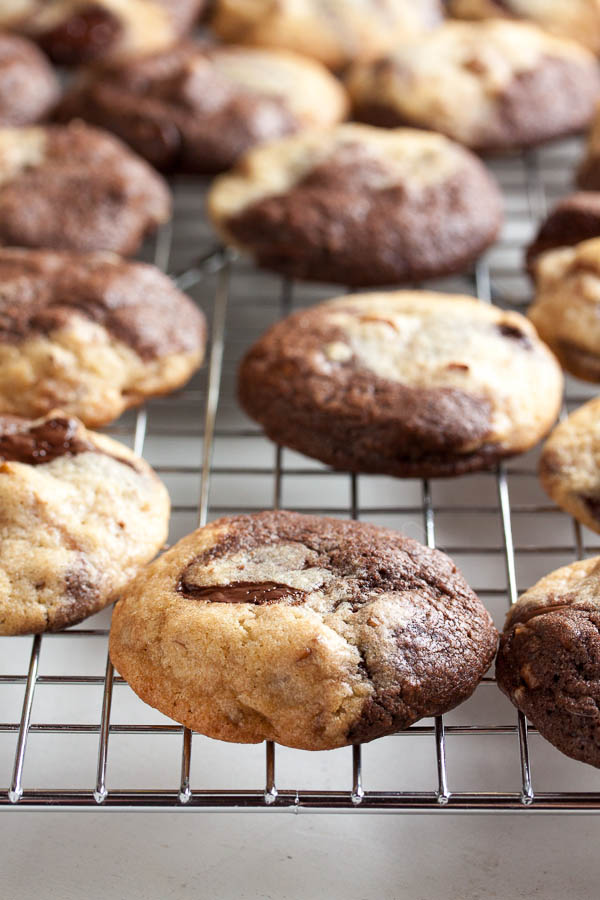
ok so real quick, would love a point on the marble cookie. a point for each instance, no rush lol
(412, 384)
(308, 631)
(79, 514)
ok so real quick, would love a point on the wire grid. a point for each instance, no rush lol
(228, 453)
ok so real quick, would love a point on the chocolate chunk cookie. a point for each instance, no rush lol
(91, 334)
(84, 31)
(412, 384)
(79, 514)
(359, 206)
(333, 31)
(197, 108)
(578, 20)
(570, 464)
(549, 658)
(574, 219)
(76, 188)
(493, 86)
(28, 85)
(566, 308)
(308, 631)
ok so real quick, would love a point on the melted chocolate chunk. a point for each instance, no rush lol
(575, 219)
(515, 334)
(34, 444)
(262, 593)
(593, 505)
(506, 6)
(475, 65)
(339, 547)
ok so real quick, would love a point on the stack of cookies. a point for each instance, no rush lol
(306, 630)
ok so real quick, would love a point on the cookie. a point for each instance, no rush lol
(308, 631)
(566, 307)
(198, 108)
(588, 171)
(332, 31)
(570, 464)
(91, 333)
(574, 219)
(84, 31)
(493, 86)
(28, 85)
(358, 205)
(549, 658)
(578, 20)
(413, 384)
(80, 513)
(76, 188)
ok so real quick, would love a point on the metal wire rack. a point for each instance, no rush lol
(64, 747)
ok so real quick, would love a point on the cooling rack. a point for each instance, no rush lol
(73, 735)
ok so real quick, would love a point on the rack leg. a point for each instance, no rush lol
(16, 786)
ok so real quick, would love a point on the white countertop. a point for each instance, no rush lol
(87, 856)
